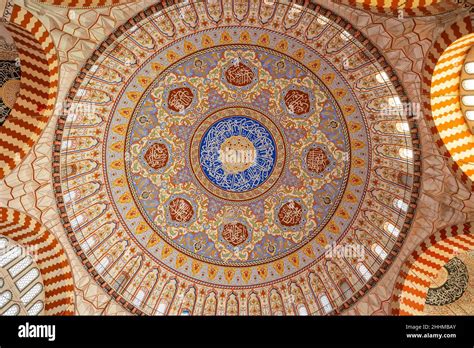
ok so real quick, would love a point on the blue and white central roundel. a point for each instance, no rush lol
(237, 154)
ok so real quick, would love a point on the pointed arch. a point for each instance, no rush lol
(441, 99)
(50, 257)
(38, 88)
(189, 301)
(84, 3)
(276, 302)
(254, 306)
(404, 8)
(232, 304)
(413, 281)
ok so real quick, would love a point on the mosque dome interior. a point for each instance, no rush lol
(218, 157)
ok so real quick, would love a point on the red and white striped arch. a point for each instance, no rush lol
(38, 88)
(50, 258)
(441, 99)
(84, 3)
(412, 8)
(414, 279)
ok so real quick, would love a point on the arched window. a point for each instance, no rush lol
(379, 251)
(398, 203)
(13, 310)
(78, 220)
(5, 297)
(406, 153)
(161, 309)
(346, 289)
(185, 312)
(402, 127)
(20, 266)
(302, 310)
(71, 195)
(390, 228)
(468, 100)
(27, 279)
(364, 272)
(469, 67)
(382, 77)
(139, 297)
(121, 281)
(327, 308)
(23, 272)
(9, 256)
(31, 294)
(71, 117)
(320, 19)
(36, 308)
(104, 263)
(89, 243)
(468, 84)
(345, 35)
(395, 102)
(66, 144)
(451, 122)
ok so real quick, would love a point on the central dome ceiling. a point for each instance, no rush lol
(239, 154)
(217, 153)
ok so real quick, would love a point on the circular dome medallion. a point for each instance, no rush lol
(237, 158)
(235, 147)
(246, 148)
